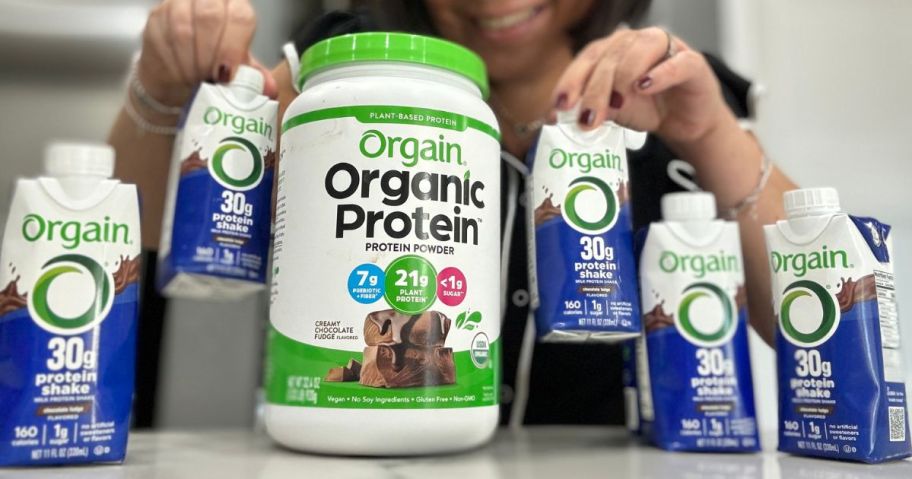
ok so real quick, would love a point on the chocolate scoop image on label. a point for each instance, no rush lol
(391, 327)
(402, 367)
(404, 351)
(348, 373)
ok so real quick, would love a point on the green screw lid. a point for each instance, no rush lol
(397, 47)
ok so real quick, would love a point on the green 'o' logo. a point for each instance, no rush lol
(571, 209)
(825, 325)
(40, 304)
(693, 329)
(245, 152)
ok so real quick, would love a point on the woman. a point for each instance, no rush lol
(542, 56)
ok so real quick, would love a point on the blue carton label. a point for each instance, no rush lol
(583, 270)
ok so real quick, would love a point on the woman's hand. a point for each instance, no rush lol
(628, 78)
(186, 42)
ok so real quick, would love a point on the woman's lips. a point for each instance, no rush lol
(512, 25)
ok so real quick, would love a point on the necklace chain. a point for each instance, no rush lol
(521, 129)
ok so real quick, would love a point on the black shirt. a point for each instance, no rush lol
(569, 383)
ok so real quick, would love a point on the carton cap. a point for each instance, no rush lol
(689, 206)
(249, 78)
(810, 202)
(63, 159)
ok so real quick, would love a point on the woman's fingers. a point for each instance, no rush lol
(570, 86)
(234, 48)
(596, 95)
(648, 49)
(208, 25)
(672, 72)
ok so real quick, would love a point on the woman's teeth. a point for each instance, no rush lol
(507, 21)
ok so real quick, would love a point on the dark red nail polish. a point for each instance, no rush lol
(561, 101)
(587, 117)
(616, 101)
(224, 74)
(645, 82)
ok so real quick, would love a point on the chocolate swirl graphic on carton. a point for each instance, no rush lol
(10, 297)
(546, 210)
(269, 160)
(127, 273)
(657, 318)
(623, 192)
(192, 163)
(741, 297)
(854, 292)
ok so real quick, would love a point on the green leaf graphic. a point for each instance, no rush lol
(460, 320)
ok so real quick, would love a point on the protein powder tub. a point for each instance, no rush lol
(385, 326)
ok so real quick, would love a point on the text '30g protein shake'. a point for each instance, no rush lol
(69, 270)
(841, 386)
(218, 211)
(582, 268)
(385, 308)
(694, 358)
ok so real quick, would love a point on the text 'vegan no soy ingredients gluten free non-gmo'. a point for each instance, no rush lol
(385, 327)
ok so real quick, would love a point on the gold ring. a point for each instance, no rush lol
(670, 51)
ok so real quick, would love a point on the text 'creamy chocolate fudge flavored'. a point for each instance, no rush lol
(841, 386)
(70, 268)
(218, 210)
(385, 334)
(582, 266)
(696, 387)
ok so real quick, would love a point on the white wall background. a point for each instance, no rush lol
(836, 111)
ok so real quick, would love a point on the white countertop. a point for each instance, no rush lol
(536, 452)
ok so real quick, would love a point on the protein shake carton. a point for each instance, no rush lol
(841, 390)
(216, 230)
(582, 269)
(70, 270)
(695, 318)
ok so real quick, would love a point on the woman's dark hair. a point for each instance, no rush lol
(412, 16)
